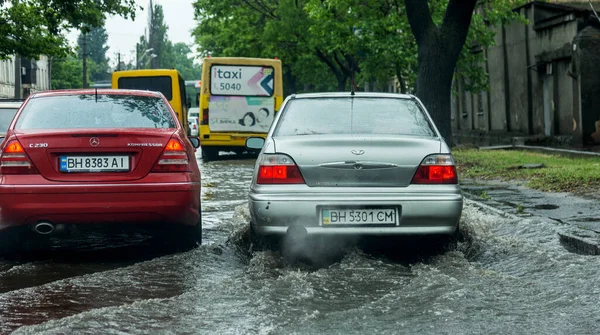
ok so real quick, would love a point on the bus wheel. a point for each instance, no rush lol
(209, 154)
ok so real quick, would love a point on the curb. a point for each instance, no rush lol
(571, 242)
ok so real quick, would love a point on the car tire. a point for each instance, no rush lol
(259, 242)
(183, 238)
(449, 242)
(209, 154)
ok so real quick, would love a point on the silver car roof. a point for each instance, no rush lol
(356, 94)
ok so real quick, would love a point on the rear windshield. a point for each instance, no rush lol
(6, 116)
(85, 111)
(353, 116)
(162, 84)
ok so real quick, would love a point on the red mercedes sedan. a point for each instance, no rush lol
(79, 157)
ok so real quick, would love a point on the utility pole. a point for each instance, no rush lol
(18, 91)
(137, 55)
(85, 84)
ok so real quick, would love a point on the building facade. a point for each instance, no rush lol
(544, 81)
(35, 76)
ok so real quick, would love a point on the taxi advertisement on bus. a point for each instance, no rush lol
(239, 99)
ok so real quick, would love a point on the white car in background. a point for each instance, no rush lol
(8, 109)
(193, 116)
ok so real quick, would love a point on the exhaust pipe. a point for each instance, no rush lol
(44, 228)
(297, 232)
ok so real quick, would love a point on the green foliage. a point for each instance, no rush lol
(96, 40)
(484, 195)
(324, 42)
(158, 39)
(68, 72)
(183, 63)
(33, 27)
(267, 29)
(167, 54)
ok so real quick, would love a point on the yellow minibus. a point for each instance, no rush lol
(167, 81)
(238, 99)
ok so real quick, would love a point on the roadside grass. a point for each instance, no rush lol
(559, 173)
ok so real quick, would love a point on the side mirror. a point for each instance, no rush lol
(255, 143)
(195, 142)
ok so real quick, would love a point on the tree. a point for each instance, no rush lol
(266, 29)
(425, 44)
(67, 72)
(34, 27)
(157, 37)
(183, 63)
(438, 50)
(96, 40)
(441, 44)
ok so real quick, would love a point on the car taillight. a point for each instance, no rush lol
(14, 160)
(174, 158)
(436, 169)
(205, 116)
(278, 169)
(194, 125)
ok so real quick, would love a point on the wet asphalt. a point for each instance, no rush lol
(509, 274)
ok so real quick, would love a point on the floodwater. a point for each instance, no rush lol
(511, 276)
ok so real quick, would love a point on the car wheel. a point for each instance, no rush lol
(183, 238)
(449, 242)
(259, 242)
(209, 154)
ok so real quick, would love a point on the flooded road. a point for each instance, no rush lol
(512, 276)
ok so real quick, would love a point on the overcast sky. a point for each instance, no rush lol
(123, 34)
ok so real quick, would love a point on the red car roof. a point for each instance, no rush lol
(93, 91)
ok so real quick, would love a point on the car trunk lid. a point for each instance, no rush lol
(368, 161)
(94, 154)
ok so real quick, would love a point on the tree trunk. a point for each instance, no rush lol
(434, 85)
(403, 88)
(290, 82)
(342, 82)
(439, 49)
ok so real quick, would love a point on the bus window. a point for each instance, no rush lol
(162, 84)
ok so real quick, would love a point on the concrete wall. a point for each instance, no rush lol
(7, 77)
(532, 88)
(587, 59)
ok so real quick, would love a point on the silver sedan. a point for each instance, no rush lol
(354, 164)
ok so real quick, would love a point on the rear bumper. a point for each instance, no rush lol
(173, 203)
(419, 214)
(208, 139)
